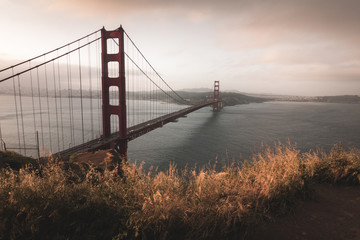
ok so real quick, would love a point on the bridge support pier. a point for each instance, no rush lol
(114, 58)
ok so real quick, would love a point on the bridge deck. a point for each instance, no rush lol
(132, 132)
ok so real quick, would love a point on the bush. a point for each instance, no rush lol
(56, 200)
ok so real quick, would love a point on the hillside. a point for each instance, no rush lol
(195, 96)
(200, 95)
(57, 200)
(228, 98)
(339, 99)
(353, 99)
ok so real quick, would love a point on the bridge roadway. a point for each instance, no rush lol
(132, 132)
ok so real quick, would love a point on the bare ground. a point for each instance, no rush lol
(333, 214)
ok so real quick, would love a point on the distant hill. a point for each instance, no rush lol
(293, 98)
(228, 98)
(354, 99)
(339, 99)
(199, 95)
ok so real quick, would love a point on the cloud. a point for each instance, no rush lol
(277, 22)
(247, 23)
(240, 24)
(268, 40)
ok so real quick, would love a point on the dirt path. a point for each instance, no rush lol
(334, 214)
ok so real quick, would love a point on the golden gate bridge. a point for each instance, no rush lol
(97, 92)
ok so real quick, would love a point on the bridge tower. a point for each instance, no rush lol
(115, 58)
(218, 105)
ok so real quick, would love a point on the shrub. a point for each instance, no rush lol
(60, 200)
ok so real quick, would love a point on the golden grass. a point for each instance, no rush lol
(58, 201)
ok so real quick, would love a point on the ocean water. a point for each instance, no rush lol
(237, 132)
(203, 136)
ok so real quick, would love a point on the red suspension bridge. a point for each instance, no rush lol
(97, 92)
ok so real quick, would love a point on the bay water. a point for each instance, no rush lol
(237, 132)
(204, 136)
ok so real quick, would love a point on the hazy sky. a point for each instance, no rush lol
(304, 47)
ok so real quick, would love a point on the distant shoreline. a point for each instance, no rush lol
(229, 98)
(350, 99)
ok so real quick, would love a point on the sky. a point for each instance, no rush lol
(291, 47)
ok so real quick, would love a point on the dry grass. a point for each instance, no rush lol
(58, 201)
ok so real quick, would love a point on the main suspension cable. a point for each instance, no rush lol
(31, 59)
(185, 101)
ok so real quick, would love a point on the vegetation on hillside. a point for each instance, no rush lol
(228, 98)
(351, 99)
(14, 160)
(58, 200)
(339, 99)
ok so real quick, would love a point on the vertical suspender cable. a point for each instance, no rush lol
(21, 114)
(56, 110)
(16, 109)
(144, 98)
(72, 140)
(133, 101)
(91, 93)
(152, 98)
(81, 100)
(39, 97)
(32, 98)
(134, 78)
(138, 103)
(127, 86)
(72, 105)
(153, 89)
(154, 93)
(128, 114)
(148, 110)
(98, 55)
(130, 73)
(61, 106)
(156, 102)
(48, 105)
